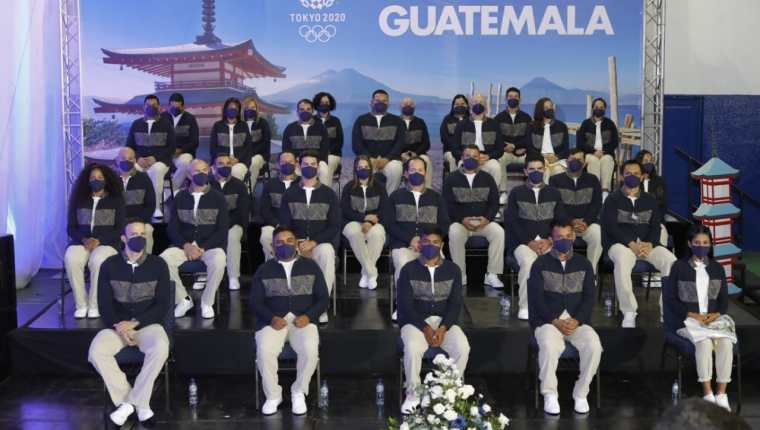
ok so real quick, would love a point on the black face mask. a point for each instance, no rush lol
(97, 185)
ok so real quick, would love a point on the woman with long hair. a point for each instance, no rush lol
(695, 299)
(654, 184)
(361, 202)
(460, 109)
(95, 222)
(549, 137)
(261, 138)
(324, 105)
(598, 138)
(230, 136)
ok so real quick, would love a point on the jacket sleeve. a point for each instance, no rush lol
(443, 216)
(287, 145)
(158, 309)
(537, 309)
(447, 193)
(131, 137)
(246, 153)
(324, 147)
(319, 294)
(580, 138)
(334, 222)
(149, 201)
(391, 224)
(424, 145)
(349, 214)
(610, 147)
(174, 230)
(493, 200)
(583, 312)
(213, 142)
(105, 296)
(337, 147)
(243, 209)
(261, 147)
(564, 150)
(443, 132)
(266, 209)
(611, 226)
(674, 310)
(512, 219)
(112, 235)
(357, 139)
(498, 147)
(258, 299)
(595, 206)
(399, 141)
(722, 300)
(456, 141)
(194, 139)
(653, 236)
(166, 155)
(454, 303)
(72, 227)
(560, 214)
(286, 218)
(218, 239)
(406, 310)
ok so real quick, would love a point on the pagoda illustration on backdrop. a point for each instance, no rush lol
(206, 72)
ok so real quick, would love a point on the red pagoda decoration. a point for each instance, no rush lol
(206, 72)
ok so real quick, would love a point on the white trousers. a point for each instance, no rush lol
(148, 238)
(234, 240)
(324, 255)
(157, 172)
(525, 258)
(493, 233)
(182, 166)
(215, 261)
(257, 163)
(508, 158)
(333, 161)
(239, 170)
(450, 161)
(428, 170)
(392, 171)
(593, 238)
(553, 169)
(624, 259)
(367, 247)
(724, 358)
(401, 256)
(74, 260)
(269, 344)
(266, 242)
(454, 343)
(152, 341)
(551, 344)
(602, 168)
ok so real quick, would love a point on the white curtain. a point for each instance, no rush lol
(32, 199)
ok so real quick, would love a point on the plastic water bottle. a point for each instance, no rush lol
(674, 391)
(608, 306)
(324, 395)
(380, 393)
(506, 305)
(192, 393)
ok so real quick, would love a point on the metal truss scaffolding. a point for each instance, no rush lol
(73, 138)
(653, 88)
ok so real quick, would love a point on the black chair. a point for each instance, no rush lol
(130, 358)
(289, 356)
(568, 360)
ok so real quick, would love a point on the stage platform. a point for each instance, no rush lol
(360, 340)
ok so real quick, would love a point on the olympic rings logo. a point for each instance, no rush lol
(317, 32)
(317, 4)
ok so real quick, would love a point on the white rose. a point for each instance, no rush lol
(451, 395)
(486, 408)
(466, 391)
(425, 401)
(474, 411)
(487, 426)
(431, 419)
(404, 426)
(439, 360)
(436, 392)
(450, 415)
(438, 409)
(504, 421)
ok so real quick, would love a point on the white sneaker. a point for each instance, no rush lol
(523, 314)
(372, 284)
(120, 415)
(182, 307)
(323, 318)
(199, 285)
(464, 281)
(581, 405)
(629, 320)
(93, 313)
(363, 282)
(722, 401)
(270, 406)
(394, 317)
(709, 398)
(493, 281)
(207, 311)
(144, 414)
(80, 313)
(298, 403)
(410, 403)
(503, 198)
(551, 404)
(234, 284)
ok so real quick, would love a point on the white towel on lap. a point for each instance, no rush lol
(722, 327)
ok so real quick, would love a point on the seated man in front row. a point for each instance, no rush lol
(288, 293)
(133, 298)
(198, 230)
(560, 297)
(630, 232)
(430, 300)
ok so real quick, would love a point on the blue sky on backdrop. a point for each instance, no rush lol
(433, 65)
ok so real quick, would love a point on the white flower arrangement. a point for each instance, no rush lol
(447, 403)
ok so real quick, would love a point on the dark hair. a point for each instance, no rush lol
(456, 97)
(177, 97)
(409, 162)
(510, 89)
(282, 228)
(286, 151)
(640, 156)
(532, 156)
(379, 91)
(151, 97)
(695, 230)
(317, 100)
(470, 146)
(308, 153)
(432, 229)
(631, 162)
(538, 113)
(355, 183)
(599, 99)
(80, 192)
(561, 223)
(227, 103)
(131, 220)
(576, 150)
(695, 413)
(307, 101)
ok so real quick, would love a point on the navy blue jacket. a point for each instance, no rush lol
(139, 197)
(525, 219)
(108, 226)
(581, 199)
(417, 138)
(516, 132)
(261, 138)
(623, 223)
(552, 289)
(385, 141)
(219, 141)
(463, 200)
(316, 139)
(586, 136)
(352, 201)
(319, 221)
(464, 134)
(419, 299)
(559, 136)
(271, 296)
(448, 127)
(404, 221)
(271, 198)
(208, 228)
(680, 295)
(142, 293)
(334, 133)
(238, 201)
(159, 143)
(186, 134)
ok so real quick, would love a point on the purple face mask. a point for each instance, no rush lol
(513, 103)
(632, 181)
(478, 108)
(416, 179)
(174, 110)
(249, 114)
(379, 107)
(535, 176)
(700, 251)
(575, 165)
(470, 163)
(407, 110)
(231, 112)
(151, 111)
(362, 173)
(304, 115)
(430, 251)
